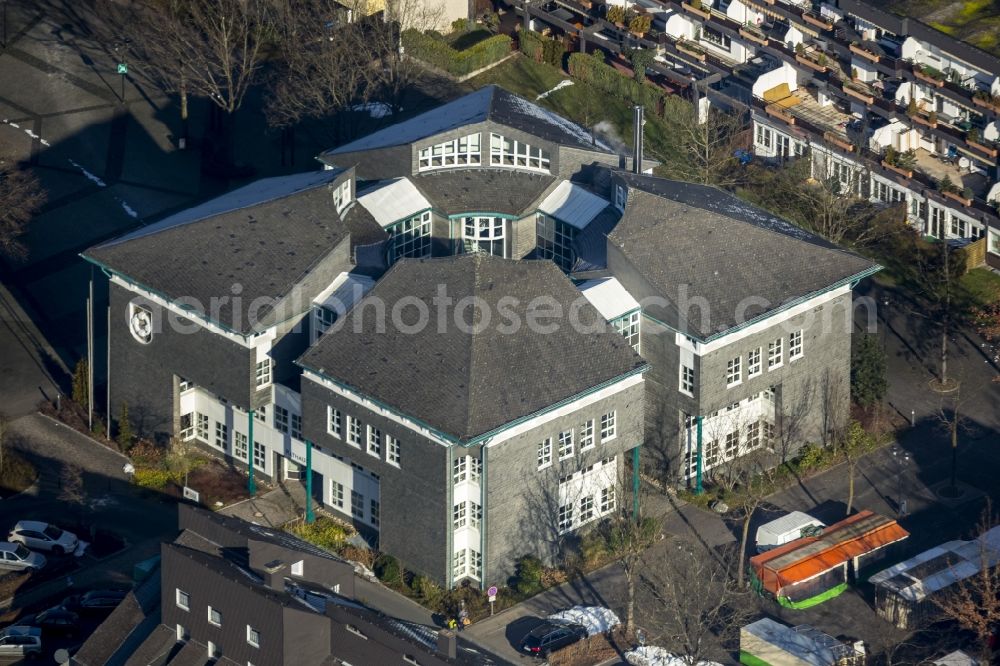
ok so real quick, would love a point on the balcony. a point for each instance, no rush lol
(935, 169)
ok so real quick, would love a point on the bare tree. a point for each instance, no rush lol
(209, 48)
(952, 419)
(690, 595)
(628, 537)
(706, 143)
(382, 43)
(325, 66)
(974, 602)
(751, 479)
(20, 198)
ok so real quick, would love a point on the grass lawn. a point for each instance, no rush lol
(579, 102)
(982, 285)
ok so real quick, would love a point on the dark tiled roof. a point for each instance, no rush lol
(265, 248)
(124, 621)
(362, 226)
(454, 191)
(468, 383)
(719, 248)
(157, 649)
(591, 244)
(488, 103)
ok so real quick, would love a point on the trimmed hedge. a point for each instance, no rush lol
(606, 78)
(540, 48)
(458, 63)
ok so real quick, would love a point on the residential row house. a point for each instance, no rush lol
(884, 105)
(474, 328)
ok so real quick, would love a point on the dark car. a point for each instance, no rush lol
(551, 636)
(95, 601)
(55, 621)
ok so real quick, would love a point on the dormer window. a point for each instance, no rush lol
(511, 153)
(464, 151)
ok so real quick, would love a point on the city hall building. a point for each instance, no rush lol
(471, 329)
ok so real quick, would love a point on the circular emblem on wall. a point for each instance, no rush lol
(140, 323)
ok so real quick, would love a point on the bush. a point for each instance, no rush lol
(607, 79)
(616, 14)
(427, 591)
(460, 25)
(151, 477)
(640, 24)
(540, 48)
(324, 532)
(388, 570)
(527, 578)
(458, 63)
(812, 457)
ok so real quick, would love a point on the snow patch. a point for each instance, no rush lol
(650, 655)
(557, 121)
(31, 134)
(559, 86)
(595, 619)
(128, 209)
(374, 109)
(15, 125)
(88, 175)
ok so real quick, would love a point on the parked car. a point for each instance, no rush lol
(16, 557)
(56, 621)
(20, 642)
(43, 536)
(95, 601)
(551, 636)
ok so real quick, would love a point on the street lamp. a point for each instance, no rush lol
(902, 459)
(121, 50)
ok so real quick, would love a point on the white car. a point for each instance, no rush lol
(21, 642)
(42, 536)
(16, 557)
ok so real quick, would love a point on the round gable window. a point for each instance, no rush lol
(140, 323)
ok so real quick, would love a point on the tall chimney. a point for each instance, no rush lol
(637, 123)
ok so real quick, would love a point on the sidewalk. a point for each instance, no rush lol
(273, 508)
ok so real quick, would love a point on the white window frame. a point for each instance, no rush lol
(353, 432)
(754, 365)
(607, 500)
(336, 494)
(629, 327)
(506, 152)
(587, 509)
(410, 237)
(460, 563)
(374, 440)
(795, 345)
(252, 640)
(686, 380)
(459, 515)
(609, 426)
(182, 599)
(565, 444)
(281, 417)
(262, 374)
(241, 446)
(460, 470)
(545, 453)
(775, 354)
(334, 422)
(201, 422)
(221, 435)
(564, 518)
(587, 435)
(392, 450)
(484, 231)
(734, 372)
(464, 151)
(211, 621)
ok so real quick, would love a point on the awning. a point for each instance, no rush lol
(808, 557)
(397, 200)
(573, 205)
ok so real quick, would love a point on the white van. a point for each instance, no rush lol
(789, 527)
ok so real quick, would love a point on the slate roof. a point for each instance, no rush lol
(160, 646)
(124, 621)
(466, 384)
(266, 248)
(724, 250)
(453, 191)
(488, 103)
